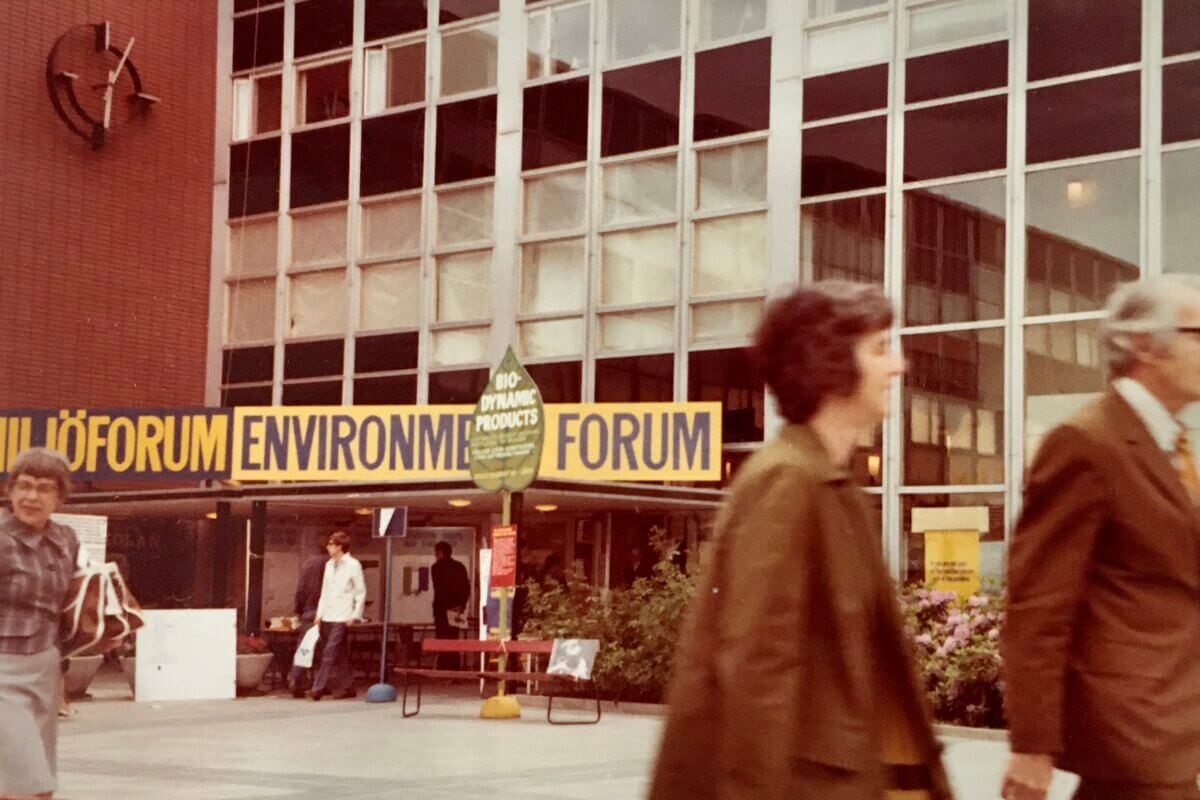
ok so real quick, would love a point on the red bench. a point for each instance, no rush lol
(517, 647)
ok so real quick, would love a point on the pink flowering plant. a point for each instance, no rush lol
(956, 643)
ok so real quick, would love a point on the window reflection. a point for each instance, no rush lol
(637, 379)
(641, 108)
(258, 39)
(1181, 231)
(639, 28)
(1064, 370)
(954, 72)
(1181, 101)
(323, 25)
(1067, 36)
(954, 408)
(733, 90)
(320, 165)
(1069, 120)
(843, 157)
(393, 152)
(1181, 27)
(1081, 237)
(560, 382)
(556, 123)
(466, 140)
(851, 92)
(459, 387)
(253, 177)
(727, 377)
(391, 17)
(843, 239)
(954, 252)
(956, 139)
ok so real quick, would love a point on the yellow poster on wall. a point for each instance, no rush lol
(952, 561)
(952, 551)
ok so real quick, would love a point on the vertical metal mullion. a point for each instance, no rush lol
(593, 186)
(284, 249)
(1152, 105)
(783, 163)
(353, 208)
(1015, 252)
(506, 193)
(685, 191)
(893, 284)
(433, 82)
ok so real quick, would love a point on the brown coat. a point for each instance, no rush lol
(1102, 641)
(779, 667)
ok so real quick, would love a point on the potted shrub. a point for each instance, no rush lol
(253, 658)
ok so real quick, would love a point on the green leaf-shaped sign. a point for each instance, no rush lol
(508, 429)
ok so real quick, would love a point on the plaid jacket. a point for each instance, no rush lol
(35, 576)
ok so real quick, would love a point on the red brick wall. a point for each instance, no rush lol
(104, 255)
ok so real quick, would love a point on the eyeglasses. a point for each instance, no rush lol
(43, 488)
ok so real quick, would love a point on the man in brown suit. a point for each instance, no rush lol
(1102, 642)
(793, 679)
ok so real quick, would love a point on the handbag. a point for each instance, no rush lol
(100, 613)
(307, 648)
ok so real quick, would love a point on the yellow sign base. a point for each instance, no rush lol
(500, 707)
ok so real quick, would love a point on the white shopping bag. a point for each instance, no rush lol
(308, 646)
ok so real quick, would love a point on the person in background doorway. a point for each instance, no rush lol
(638, 567)
(1103, 626)
(308, 597)
(451, 592)
(37, 560)
(343, 597)
(793, 676)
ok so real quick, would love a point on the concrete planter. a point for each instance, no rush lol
(80, 671)
(251, 669)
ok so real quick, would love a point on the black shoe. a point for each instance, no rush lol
(316, 695)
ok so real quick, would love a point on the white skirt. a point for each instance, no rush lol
(28, 722)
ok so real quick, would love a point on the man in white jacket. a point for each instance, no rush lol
(343, 595)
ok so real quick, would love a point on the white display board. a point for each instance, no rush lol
(412, 559)
(92, 532)
(187, 654)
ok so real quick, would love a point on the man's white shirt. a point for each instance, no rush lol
(343, 591)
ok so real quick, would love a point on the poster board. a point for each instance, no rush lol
(952, 550)
(187, 654)
(412, 558)
(92, 532)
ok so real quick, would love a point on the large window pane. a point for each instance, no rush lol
(641, 107)
(723, 19)
(640, 379)
(1181, 211)
(559, 40)
(1070, 36)
(843, 239)
(555, 202)
(386, 18)
(252, 247)
(257, 105)
(730, 177)
(251, 311)
(1181, 27)
(461, 387)
(320, 165)
(254, 177)
(319, 238)
(948, 23)
(558, 382)
(730, 255)
(954, 408)
(317, 303)
(393, 390)
(323, 93)
(954, 253)
(556, 127)
(455, 10)
(313, 393)
(464, 216)
(1064, 370)
(725, 322)
(387, 353)
(552, 277)
(469, 60)
(1070, 120)
(395, 77)
(843, 157)
(1082, 235)
(638, 266)
(464, 287)
(638, 28)
(313, 359)
(992, 548)
(461, 347)
(393, 152)
(954, 72)
(466, 140)
(843, 46)
(956, 139)
(637, 330)
(391, 228)
(552, 338)
(248, 364)
(640, 190)
(727, 377)
(733, 90)
(390, 296)
(853, 91)
(323, 25)
(1181, 100)
(258, 39)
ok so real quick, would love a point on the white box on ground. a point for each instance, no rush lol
(187, 654)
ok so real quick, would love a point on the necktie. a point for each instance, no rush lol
(1186, 464)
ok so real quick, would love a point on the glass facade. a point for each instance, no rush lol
(616, 187)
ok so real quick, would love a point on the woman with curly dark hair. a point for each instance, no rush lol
(793, 679)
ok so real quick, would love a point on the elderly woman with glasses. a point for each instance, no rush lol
(37, 560)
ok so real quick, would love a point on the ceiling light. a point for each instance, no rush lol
(364, 512)
(546, 507)
(211, 515)
(459, 502)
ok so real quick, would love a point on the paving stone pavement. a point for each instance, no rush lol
(278, 747)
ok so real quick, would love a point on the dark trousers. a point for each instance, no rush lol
(335, 673)
(444, 630)
(1116, 790)
(300, 678)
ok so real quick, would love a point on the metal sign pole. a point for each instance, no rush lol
(384, 692)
